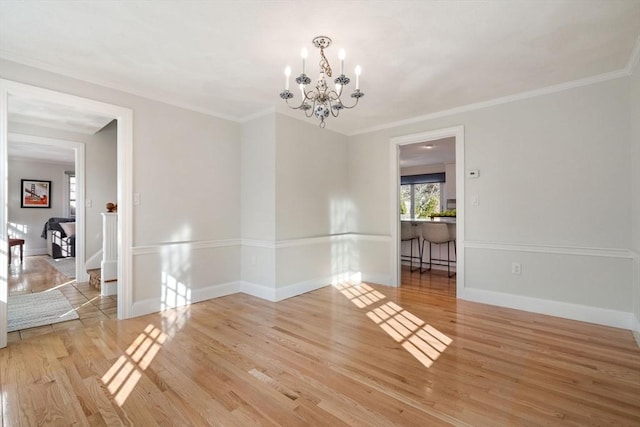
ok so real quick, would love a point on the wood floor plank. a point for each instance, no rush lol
(354, 355)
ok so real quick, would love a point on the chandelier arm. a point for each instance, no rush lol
(335, 112)
(357, 98)
(309, 112)
(299, 107)
(347, 107)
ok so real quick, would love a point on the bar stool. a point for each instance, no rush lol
(436, 233)
(408, 233)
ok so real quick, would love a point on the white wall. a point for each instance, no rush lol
(186, 167)
(554, 177)
(101, 180)
(294, 193)
(258, 201)
(27, 223)
(311, 201)
(635, 194)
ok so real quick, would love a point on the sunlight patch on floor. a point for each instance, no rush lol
(421, 340)
(125, 373)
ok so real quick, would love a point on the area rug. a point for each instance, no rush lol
(38, 309)
(66, 266)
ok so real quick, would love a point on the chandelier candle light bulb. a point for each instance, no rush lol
(322, 101)
(304, 55)
(287, 73)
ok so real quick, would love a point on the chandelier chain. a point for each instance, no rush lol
(324, 64)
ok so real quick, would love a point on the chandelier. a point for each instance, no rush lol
(322, 101)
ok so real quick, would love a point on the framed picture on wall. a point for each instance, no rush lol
(35, 193)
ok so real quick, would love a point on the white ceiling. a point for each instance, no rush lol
(20, 150)
(441, 151)
(31, 111)
(36, 112)
(418, 57)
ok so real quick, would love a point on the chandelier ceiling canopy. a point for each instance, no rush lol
(322, 100)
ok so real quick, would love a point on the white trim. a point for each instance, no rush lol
(583, 313)
(80, 171)
(278, 294)
(269, 244)
(300, 288)
(259, 291)
(635, 328)
(194, 244)
(394, 200)
(255, 243)
(265, 112)
(4, 218)
(128, 90)
(304, 241)
(634, 58)
(155, 305)
(108, 288)
(35, 251)
(330, 238)
(498, 101)
(47, 162)
(549, 249)
(378, 279)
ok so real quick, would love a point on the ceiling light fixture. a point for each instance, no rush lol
(428, 146)
(322, 101)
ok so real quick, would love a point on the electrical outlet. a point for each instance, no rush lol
(516, 268)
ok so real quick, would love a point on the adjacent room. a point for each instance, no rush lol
(339, 213)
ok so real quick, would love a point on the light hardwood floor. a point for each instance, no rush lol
(435, 281)
(348, 355)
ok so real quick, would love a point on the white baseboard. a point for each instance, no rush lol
(154, 305)
(108, 288)
(378, 279)
(109, 270)
(36, 251)
(583, 313)
(279, 294)
(258, 291)
(302, 288)
(635, 328)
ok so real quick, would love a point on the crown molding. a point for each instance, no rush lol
(634, 58)
(499, 101)
(9, 56)
(261, 113)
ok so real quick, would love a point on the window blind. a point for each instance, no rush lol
(427, 178)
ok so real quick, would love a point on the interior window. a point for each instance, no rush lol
(419, 200)
(70, 194)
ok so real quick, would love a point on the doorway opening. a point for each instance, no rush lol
(428, 216)
(123, 116)
(427, 194)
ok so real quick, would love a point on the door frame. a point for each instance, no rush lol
(124, 117)
(394, 167)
